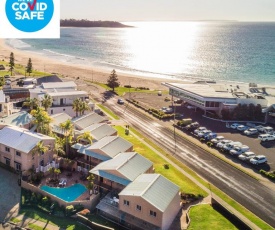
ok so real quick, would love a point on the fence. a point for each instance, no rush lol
(89, 204)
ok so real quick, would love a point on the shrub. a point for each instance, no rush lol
(127, 86)
(78, 207)
(69, 210)
(166, 166)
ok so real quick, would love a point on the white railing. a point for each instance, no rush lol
(47, 167)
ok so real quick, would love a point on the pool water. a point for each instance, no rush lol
(67, 194)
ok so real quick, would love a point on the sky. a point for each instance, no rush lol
(169, 10)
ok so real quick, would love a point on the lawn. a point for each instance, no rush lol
(108, 111)
(205, 217)
(185, 184)
(122, 90)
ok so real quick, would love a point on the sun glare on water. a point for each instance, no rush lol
(144, 41)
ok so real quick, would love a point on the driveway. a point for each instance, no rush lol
(9, 193)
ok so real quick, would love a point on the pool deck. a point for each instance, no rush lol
(72, 179)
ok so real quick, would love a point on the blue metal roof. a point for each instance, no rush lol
(112, 177)
(96, 155)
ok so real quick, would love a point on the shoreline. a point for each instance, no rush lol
(71, 71)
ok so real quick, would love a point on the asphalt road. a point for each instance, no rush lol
(241, 187)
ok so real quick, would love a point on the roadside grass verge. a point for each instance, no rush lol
(203, 216)
(64, 223)
(108, 111)
(122, 90)
(15, 220)
(185, 184)
(251, 216)
(20, 69)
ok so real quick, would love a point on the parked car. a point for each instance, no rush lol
(266, 137)
(227, 147)
(246, 156)
(260, 128)
(217, 139)
(242, 127)
(7, 76)
(179, 116)
(239, 150)
(192, 126)
(268, 130)
(178, 101)
(260, 159)
(210, 136)
(199, 130)
(169, 110)
(203, 133)
(251, 131)
(234, 126)
(222, 143)
(120, 101)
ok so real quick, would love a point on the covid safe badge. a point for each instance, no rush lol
(30, 19)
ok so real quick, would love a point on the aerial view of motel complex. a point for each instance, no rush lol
(85, 154)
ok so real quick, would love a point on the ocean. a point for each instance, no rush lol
(220, 51)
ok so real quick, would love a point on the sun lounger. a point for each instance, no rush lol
(63, 182)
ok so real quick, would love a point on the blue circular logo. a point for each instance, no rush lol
(29, 15)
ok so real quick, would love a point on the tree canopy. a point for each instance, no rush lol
(112, 81)
(11, 62)
(29, 67)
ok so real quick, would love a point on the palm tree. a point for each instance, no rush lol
(86, 136)
(42, 120)
(59, 146)
(39, 150)
(31, 103)
(67, 128)
(57, 172)
(84, 106)
(90, 184)
(77, 105)
(46, 102)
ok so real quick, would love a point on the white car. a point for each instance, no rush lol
(260, 128)
(222, 143)
(251, 131)
(217, 139)
(231, 145)
(242, 128)
(200, 129)
(260, 159)
(234, 125)
(246, 156)
(239, 150)
(266, 137)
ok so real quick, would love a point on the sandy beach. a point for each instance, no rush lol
(72, 71)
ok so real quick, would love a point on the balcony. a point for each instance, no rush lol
(47, 167)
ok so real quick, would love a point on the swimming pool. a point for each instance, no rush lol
(67, 194)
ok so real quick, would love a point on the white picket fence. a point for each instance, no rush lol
(47, 167)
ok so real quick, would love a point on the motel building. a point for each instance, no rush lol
(213, 97)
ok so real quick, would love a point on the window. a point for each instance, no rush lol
(18, 154)
(138, 207)
(8, 161)
(152, 213)
(126, 202)
(17, 166)
(7, 149)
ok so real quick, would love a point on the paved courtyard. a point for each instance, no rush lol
(9, 193)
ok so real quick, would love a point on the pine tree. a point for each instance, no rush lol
(11, 63)
(29, 66)
(112, 81)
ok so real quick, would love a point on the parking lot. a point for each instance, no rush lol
(255, 145)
